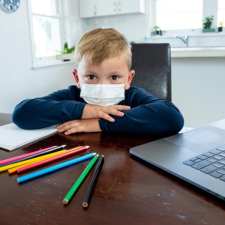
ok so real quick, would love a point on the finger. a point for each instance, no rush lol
(77, 127)
(62, 127)
(72, 131)
(67, 127)
(65, 124)
(122, 107)
(115, 112)
(106, 116)
(61, 130)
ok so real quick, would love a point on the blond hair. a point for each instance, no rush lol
(100, 44)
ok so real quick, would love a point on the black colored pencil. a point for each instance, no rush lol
(94, 178)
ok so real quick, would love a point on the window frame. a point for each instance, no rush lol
(38, 62)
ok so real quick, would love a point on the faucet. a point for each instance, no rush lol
(184, 39)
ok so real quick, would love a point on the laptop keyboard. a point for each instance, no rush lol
(211, 163)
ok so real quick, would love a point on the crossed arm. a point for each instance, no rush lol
(90, 118)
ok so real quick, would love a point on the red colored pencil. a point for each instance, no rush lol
(70, 152)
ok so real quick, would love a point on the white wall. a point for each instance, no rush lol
(17, 79)
(199, 89)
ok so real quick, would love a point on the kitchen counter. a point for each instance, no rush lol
(192, 52)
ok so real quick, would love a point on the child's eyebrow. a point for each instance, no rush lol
(114, 72)
(90, 72)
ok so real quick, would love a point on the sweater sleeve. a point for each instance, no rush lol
(148, 115)
(53, 109)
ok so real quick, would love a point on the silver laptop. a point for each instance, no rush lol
(196, 156)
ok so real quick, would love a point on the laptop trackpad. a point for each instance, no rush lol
(162, 152)
(199, 140)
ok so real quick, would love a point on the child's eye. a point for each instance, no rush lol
(91, 77)
(115, 77)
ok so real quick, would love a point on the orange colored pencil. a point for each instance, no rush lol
(71, 152)
(13, 167)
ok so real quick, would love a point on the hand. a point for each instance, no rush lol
(103, 112)
(78, 126)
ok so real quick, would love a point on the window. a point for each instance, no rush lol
(178, 14)
(46, 27)
(186, 14)
(180, 23)
(221, 11)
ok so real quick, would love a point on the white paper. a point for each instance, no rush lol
(12, 137)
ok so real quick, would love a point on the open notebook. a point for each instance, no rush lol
(13, 137)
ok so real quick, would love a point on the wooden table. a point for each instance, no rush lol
(127, 192)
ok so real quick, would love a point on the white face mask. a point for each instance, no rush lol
(102, 94)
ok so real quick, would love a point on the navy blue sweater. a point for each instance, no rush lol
(148, 114)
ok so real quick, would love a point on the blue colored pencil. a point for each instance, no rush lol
(54, 168)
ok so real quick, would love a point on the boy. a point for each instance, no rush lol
(102, 99)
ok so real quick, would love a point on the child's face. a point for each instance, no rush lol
(111, 71)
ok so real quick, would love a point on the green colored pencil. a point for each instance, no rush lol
(69, 195)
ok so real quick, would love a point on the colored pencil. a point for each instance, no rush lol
(13, 159)
(57, 148)
(54, 168)
(70, 152)
(79, 181)
(94, 178)
(49, 150)
(13, 165)
(37, 160)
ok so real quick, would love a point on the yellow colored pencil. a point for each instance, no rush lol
(7, 167)
(50, 155)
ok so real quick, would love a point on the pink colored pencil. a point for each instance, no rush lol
(55, 158)
(15, 158)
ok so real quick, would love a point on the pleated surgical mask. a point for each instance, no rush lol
(103, 94)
